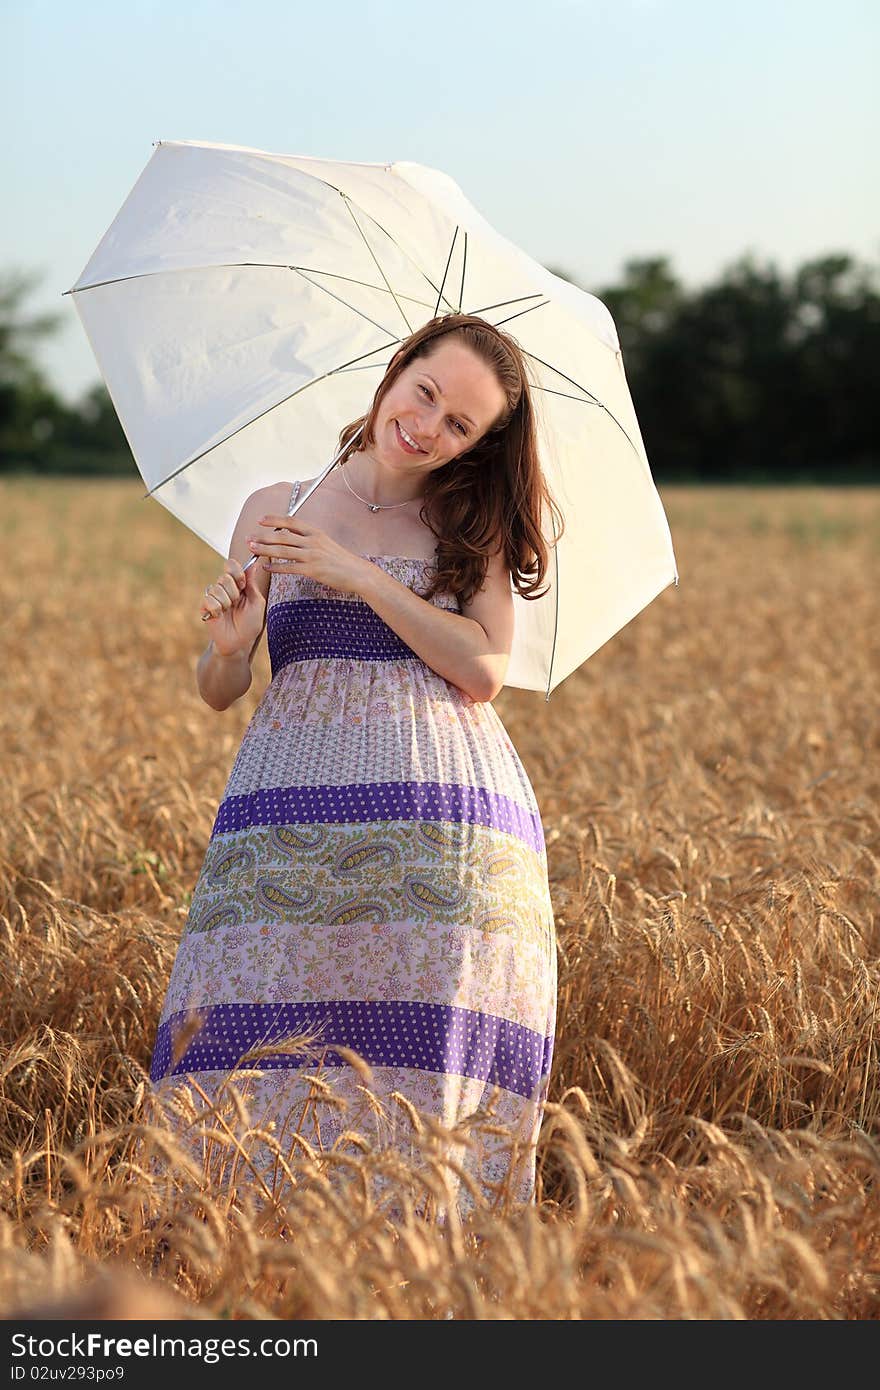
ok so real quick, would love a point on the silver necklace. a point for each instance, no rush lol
(374, 506)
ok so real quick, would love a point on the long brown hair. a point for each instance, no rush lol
(495, 489)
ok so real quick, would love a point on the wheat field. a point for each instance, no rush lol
(708, 784)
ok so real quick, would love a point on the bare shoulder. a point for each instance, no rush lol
(274, 497)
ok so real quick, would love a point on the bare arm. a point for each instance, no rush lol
(470, 649)
(223, 673)
(223, 679)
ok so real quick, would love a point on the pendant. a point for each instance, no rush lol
(374, 507)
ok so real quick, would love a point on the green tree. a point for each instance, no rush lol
(39, 431)
(835, 336)
(755, 377)
(713, 384)
(29, 409)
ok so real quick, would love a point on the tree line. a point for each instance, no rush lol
(758, 377)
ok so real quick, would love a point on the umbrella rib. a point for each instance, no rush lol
(556, 621)
(530, 309)
(445, 273)
(367, 367)
(378, 266)
(244, 265)
(302, 270)
(270, 264)
(503, 303)
(424, 274)
(594, 400)
(181, 270)
(379, 289)
(332, 372)
(340, 300)
(548, 390)
(463, 269)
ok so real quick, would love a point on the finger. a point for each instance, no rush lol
(220, 594)
(211, 607)
(220, 591)
(275, 547)
(284, 556)
(272, 524)
(237, 571)
(289, 563)
(267, 530)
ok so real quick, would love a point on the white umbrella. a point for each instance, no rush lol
(243, 307)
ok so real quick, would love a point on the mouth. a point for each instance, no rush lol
(402, 442)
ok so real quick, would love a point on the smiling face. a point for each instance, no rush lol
(442, 404)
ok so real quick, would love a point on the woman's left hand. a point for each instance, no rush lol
(287, 545)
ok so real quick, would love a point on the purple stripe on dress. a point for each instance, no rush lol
(398, 1033)
(307, 629)
(378, 801)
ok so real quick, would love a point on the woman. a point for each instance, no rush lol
(376, 875)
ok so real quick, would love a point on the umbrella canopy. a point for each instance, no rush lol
(243, 306)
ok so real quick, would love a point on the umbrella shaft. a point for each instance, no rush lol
(317, 483)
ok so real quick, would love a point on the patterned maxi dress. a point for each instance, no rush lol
(376, 876)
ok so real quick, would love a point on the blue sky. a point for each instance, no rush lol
(588, 131)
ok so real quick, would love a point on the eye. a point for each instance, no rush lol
(460, 427)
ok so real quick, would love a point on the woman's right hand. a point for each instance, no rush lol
(235, 609)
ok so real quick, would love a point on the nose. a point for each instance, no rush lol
(429, 426)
